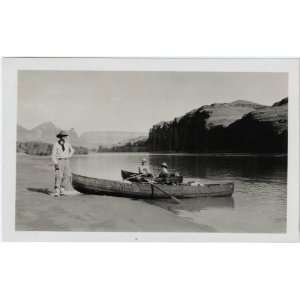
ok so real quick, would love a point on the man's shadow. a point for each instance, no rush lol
(46, 191)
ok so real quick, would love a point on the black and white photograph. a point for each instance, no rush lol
(152, 151)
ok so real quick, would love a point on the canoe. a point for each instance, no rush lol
(89, 185)
(171, 179)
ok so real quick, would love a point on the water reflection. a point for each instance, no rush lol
(197, 204)
(229, 166)
(258, 203)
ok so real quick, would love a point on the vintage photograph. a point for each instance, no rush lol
(151, 151)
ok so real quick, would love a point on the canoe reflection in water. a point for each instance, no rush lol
(197, 204)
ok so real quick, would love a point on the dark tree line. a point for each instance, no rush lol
(251, 134)
(41, 148)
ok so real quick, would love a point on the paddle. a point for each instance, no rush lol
(177, 201)
(132, 176)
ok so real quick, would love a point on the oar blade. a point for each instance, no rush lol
(177, 201)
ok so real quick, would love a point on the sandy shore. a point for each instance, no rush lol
(35, 210)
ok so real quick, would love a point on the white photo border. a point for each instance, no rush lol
(11, 66)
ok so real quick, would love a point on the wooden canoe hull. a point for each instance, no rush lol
(89, 185)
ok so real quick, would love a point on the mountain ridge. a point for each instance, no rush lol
(46, 132)
(237, 126)
(219, 126)
(241, 106)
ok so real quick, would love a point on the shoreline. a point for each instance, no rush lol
(281, 155)
(38, 211)
(229, 154)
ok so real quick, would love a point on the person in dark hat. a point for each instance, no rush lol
(164, 173)
(61, 152)
(164, 170)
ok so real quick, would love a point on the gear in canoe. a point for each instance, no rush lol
(173, 178)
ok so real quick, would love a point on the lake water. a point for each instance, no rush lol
(257, 205)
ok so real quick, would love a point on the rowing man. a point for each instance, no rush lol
(143, 169)
(164, 174)
(61, 152)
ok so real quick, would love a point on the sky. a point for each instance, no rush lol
(133, 101)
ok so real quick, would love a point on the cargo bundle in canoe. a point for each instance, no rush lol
(133, 177)
(89, 185)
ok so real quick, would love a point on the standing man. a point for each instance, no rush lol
(61, 152)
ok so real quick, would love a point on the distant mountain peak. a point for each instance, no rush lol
(245, 103)
(45, 125)
(47, 131)
(283, 101)
(21, 127)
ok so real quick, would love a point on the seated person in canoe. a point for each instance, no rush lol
(144, 170)
(165, 177)
(164, 174)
